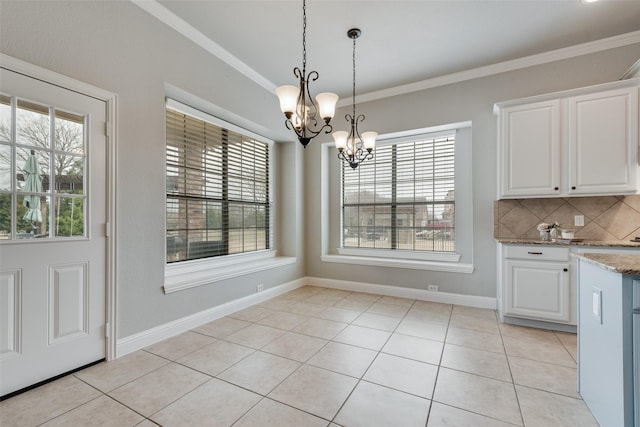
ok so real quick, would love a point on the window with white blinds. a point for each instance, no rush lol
(404, 198)
(218, 199)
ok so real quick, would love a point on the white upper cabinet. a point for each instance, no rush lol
(581, 142)
(603, 140)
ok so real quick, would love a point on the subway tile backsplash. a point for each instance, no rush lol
(608, 218)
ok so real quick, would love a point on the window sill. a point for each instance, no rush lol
(451, 267)
(190, 274)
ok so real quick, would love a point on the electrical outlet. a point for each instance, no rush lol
(260, 288)
(432, 288)
(578, 220)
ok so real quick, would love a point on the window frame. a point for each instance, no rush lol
(331, 212)
(181, 275)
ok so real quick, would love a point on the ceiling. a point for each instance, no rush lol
(404, 46)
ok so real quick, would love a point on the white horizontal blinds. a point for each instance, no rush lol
(403, 198)
(217, 190)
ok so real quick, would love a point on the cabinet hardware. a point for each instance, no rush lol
(556, 188)
(573, 188)
(534, 253)
(565, 269)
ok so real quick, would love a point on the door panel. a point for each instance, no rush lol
(52, 272)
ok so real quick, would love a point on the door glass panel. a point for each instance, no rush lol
(69, 216)
(38, 165)
(33, 126)
(5, 118)
(5, 167)
(69, 136)
(32, 216)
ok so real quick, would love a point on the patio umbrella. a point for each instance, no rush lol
(32, 184)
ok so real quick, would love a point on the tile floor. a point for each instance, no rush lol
(326, 357)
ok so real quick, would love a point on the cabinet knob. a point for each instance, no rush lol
(573, 188)
(565, 269)
(556, 188)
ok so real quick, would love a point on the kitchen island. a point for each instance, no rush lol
(608, 357)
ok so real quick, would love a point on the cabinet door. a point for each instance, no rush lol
(530, 149)
(537, 290)
(603, 141)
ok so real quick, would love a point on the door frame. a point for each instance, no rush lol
(111, 100)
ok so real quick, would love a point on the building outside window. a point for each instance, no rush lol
(402, 199)
(218, 187)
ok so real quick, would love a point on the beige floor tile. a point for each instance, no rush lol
(315, 390)
(216, 357)
(252, 314)
(373, 339)
(103, 412)
(414, 348)
(448, 416)
(543, 409)
(277, 303)
(545, 376)
(377, 321)
(474, 339)
(295, 346)
(260, 372)
(364, 297)
(306, 308)
(387, 309)
(434, 307)
(215, 403)
(433, 316)
(343, 358)
(338, 314)
(305, 291)
(423, 329)
(155, 390)
(483, 313)
(147, 423)
(540, 350)
(508, 330)
(570, 342)
(371, 405)
(484, 396)
(324, 299)
(320, 328)
(355, 305)
(473, 323)
(403, 302)
(335, 292)
(107, 376)
(283, 320)
(479, 362)
(255, 336)
(36, 406)
(409, 376)
(272, 413)
(222, 327)
(176, 347)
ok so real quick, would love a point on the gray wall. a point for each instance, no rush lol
(467, 101)
(118, 47)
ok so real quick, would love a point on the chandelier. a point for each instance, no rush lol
(353, 147)
(306, 117)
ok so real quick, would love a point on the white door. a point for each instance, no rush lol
(52, 239)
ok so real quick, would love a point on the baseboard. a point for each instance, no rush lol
(402, 292)
(151, 336)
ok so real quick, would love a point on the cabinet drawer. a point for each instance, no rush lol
(537, 252)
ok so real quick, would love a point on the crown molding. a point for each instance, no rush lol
(181, 26)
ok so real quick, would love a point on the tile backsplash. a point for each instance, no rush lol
(607, 218)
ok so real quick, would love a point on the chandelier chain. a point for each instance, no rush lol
(354, 77)
(304, 37)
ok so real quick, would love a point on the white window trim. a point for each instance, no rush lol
(185, 275)
(431, 261)
(190, 274)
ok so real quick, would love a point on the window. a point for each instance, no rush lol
(218, 187)
(402, 199)
(42, 163)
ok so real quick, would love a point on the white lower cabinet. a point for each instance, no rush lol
(536, 283)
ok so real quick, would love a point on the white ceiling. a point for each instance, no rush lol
(404, 44)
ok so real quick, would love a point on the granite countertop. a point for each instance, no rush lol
(602, 243)
(623, 264)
